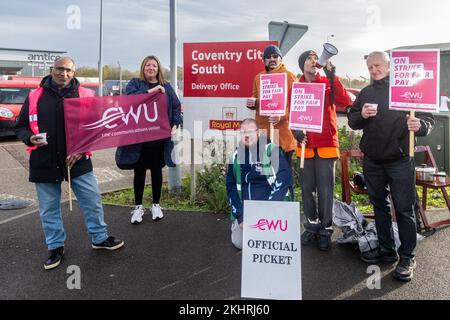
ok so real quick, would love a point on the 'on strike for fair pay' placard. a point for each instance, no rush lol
(414, 80)
(273, 94)
(307, 101)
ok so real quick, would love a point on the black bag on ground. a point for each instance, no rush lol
(359, 180)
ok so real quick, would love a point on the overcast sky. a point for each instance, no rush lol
(136, 28)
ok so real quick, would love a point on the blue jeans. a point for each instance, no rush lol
(88, 195)
(397, 179)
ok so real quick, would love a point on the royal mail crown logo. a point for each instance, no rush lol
(229, 115)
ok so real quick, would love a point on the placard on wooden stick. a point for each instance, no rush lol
(414, 83)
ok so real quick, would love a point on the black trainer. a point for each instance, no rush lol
(110, 243)
(405, 269)
(324, 242)
(308, 238)
(54, 259)
(377, 255)
(388, 255)
(371, 256)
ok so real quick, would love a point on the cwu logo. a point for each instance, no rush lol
(116, 114)
(267, 225)
(412, 95)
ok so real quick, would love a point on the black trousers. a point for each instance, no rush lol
(317, 181)
(398, 179)
(152, 157)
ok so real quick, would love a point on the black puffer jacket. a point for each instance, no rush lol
(385, 136)
(47, 163)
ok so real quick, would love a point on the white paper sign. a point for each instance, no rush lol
(271, 261)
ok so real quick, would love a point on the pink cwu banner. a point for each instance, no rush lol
(96, 123)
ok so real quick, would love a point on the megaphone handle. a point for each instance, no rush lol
(331, 90)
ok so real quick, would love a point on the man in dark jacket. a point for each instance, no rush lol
(43, 112)
(387, 166)
(258, 170)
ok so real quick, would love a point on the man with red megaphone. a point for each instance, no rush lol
(321, 152)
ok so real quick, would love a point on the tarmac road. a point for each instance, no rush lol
(185, 256)
(189, 256)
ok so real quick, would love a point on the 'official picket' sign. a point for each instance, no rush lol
(271, 267)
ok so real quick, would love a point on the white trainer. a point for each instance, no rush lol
(156, 212)
(136, 214)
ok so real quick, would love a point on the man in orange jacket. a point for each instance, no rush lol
(282, 135)
(322, 151)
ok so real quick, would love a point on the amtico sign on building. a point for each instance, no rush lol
(27, 62)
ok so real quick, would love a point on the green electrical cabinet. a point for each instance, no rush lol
(439, 142)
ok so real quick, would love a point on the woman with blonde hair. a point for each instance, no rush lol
(153, 155)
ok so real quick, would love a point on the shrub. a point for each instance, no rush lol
(211, 188)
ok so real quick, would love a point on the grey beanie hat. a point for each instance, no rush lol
(304, 56)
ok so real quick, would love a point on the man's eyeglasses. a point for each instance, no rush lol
(62, 70)
(272, 56)
(249, 132)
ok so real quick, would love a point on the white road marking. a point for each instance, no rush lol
(217, 281)
(19, 216)
(199, 272)
(170, 285)
(107, 175)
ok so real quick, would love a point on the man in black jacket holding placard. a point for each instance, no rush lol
(387, 166)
